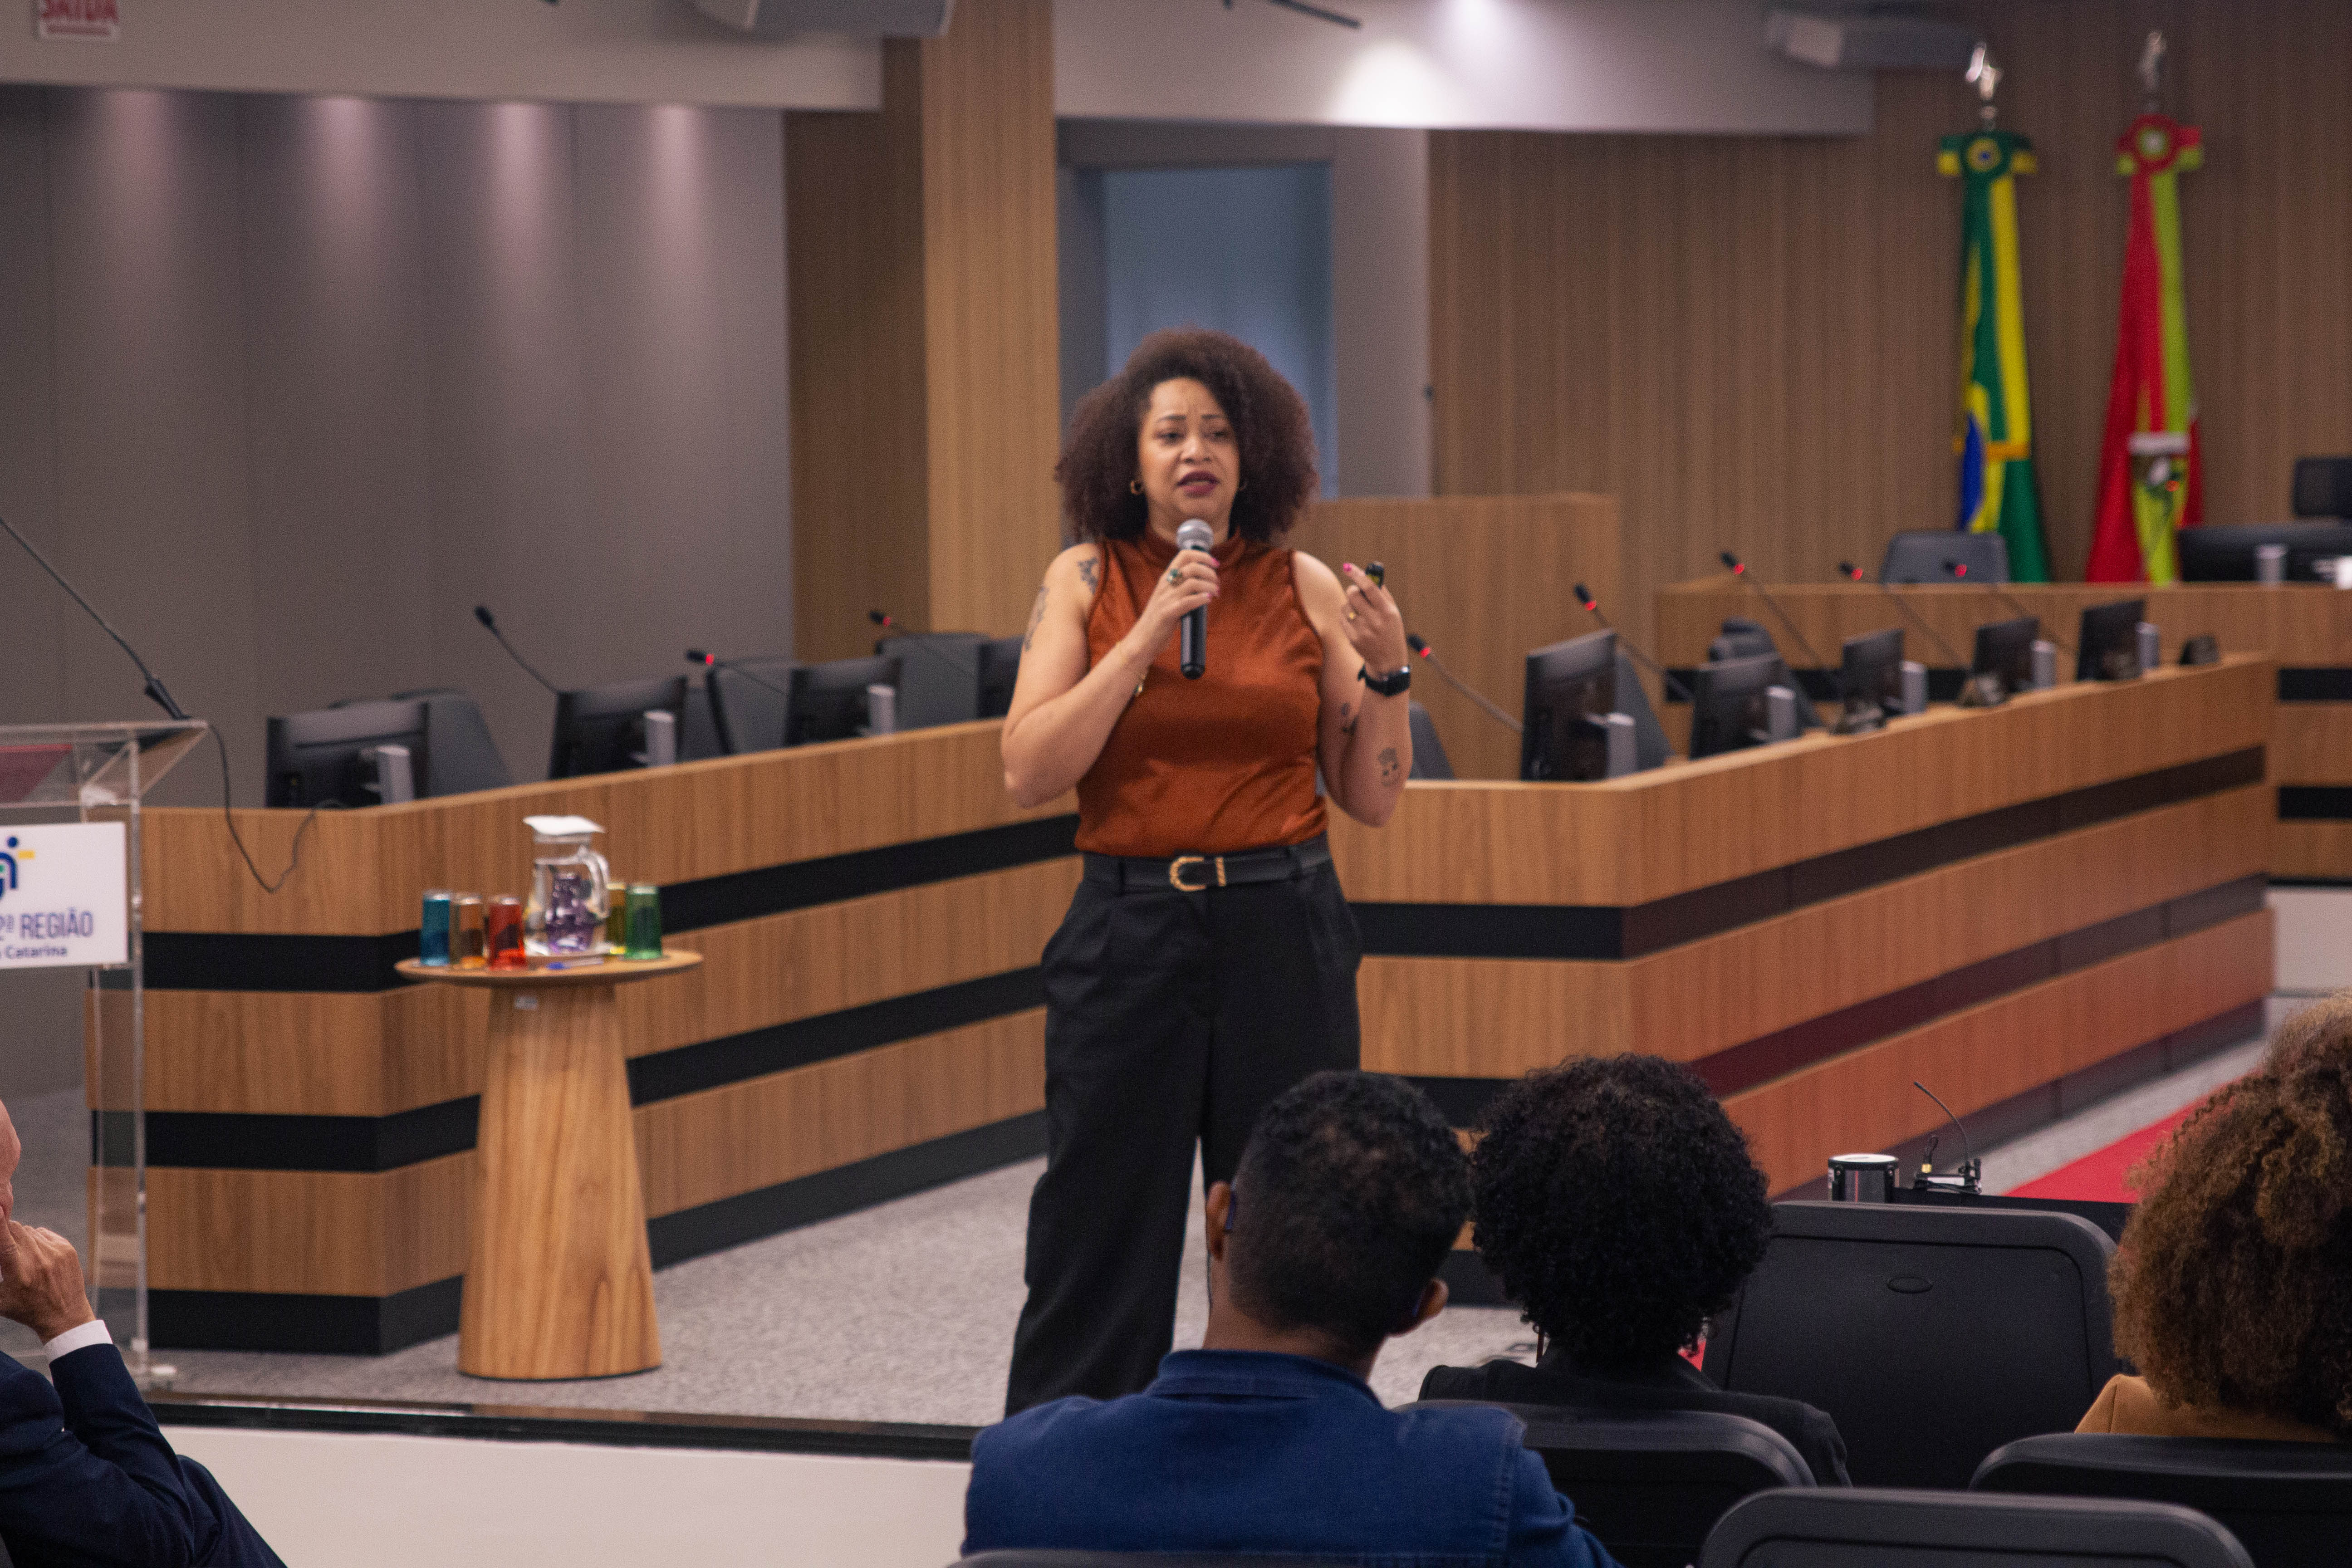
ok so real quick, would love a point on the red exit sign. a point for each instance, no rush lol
(77, 21)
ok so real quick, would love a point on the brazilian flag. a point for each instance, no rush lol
(1995, 443)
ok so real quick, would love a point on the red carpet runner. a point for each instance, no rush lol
(2098, 1176)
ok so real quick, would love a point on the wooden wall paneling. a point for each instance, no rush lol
(310, 1232)
(1752, 342)
(1484, 579)
(377, 1053)
(362, 872)
(854, 286)
(1693, 825)
(985, 94)
(1984, 1055)
(2311, 743)
(1453, 1018)
(699, 1148)
(2312, 851)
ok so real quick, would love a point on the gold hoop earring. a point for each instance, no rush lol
(1135, 486)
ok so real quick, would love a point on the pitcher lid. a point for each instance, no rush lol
(561, 826)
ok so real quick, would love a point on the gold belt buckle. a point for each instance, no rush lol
(1176, 872)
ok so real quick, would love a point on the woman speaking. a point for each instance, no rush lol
(1208, 960)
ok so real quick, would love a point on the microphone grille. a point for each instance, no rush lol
(1194, 534)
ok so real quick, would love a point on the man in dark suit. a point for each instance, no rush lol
(85, 1477)
(1268, 1439)
(1620, 1206)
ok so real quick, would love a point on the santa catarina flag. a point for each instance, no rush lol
(1995, 442)
(2150, 483)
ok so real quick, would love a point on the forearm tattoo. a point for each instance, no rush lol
(1348, 719)
(1388, 765)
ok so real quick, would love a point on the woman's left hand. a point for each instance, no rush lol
(1375, 626)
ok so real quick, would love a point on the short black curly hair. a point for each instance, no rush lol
(1350, 1191)
(1618, 1206)
(1271, 427)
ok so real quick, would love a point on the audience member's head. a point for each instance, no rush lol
(1349, 1193)
(1618, 1206)
(2234, 1285)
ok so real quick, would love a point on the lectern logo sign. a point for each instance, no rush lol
(62, 897)
(77, 21)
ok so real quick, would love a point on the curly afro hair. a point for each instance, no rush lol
(1618, 1206)
(1349, 1193)
(2232, 1287)
(1268, 416)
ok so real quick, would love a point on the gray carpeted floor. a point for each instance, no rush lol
(900, 1313)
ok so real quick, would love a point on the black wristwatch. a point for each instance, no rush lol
(1395, 683)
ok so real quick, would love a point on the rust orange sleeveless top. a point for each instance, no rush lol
(1224, 763)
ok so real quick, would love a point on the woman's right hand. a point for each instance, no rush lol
(1188, 582)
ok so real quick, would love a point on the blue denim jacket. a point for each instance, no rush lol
(1243, 1451)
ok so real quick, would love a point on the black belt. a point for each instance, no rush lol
(1205, 873)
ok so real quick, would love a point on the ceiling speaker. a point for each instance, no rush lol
(859, 18)
(1866, 40)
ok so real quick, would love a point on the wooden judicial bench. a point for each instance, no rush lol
(2023, 907)
(2305, 628)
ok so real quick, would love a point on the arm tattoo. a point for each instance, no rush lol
(1346, 718)
(1388, 765)
(1036, 616)
(1086, 570)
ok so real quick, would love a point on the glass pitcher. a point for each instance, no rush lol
(571, 889)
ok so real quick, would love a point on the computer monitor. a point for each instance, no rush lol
(939, 677)
(1728, 703)
(601, 729)
(746, 702)
(1000, 669)
(2224, 552)
(828, 701)
(324, 758)
(1870, 680)
(1572, 687)
(2108, 646)
(2005, 649)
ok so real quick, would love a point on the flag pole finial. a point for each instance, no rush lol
(1985, 76)
(2152, 71)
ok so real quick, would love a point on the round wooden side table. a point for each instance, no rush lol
(559, 1283)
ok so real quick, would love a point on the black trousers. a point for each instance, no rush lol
(1170, 1017)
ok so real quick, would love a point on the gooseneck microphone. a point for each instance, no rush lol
(1739, 568)
(1419, 644)
(708, 661)
(1957, 571)
(1192, 653)
(1852, 573)
(490, 625)
(1592, 607)
(155, 690)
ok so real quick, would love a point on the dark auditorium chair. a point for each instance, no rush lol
(1930, 1336)
(750, 714)
(939, 677)
(1429, 759)
(2290, 1504)
(1925, 556)
(1127, 1560)
(1651, 1483)
(459, 754)
(1836, 1528)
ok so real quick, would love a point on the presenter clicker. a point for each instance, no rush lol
(1208, 960)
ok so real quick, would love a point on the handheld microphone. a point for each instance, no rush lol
(155, 690)
(890, 622)
(695, 655)
(1739, 568)
(1958, 571)
(1419, 644)
(1192, 653)
(490, 625)
(1592, 607)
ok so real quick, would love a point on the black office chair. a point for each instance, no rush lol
(2290, 1504)
(749, 704)
(1429, 759)
(1000, 669)
(1930, 1336)
(1129, 1560)
(461, 755)
(1926, 555)
(1744, 638)
(1651, 1483)
(1836, 1528)
(939, 677)
(2323, 486)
